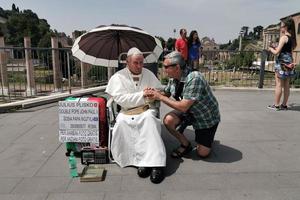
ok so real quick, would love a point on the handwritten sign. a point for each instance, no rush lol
(78, 121)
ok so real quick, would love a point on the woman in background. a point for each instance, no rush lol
(194, 47)
(284, 66)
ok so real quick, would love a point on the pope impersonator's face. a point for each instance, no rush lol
(135, 64)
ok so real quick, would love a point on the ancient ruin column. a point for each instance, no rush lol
(57, 74)
(30, 90)
(2, 44)
(3, 69)
(110, 72)
(84, 69)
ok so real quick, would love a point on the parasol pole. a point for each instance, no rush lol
(118, 50)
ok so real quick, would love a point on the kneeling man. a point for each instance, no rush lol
(194, 104)
(136, 138)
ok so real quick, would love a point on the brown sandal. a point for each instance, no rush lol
(177, 154)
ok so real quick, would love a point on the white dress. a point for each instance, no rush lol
(136, 139)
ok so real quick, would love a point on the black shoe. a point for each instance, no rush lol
(144, 172)
(157, 175)
(283, 107)
(274, 107)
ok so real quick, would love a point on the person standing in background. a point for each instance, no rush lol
(181, 44)
(284, 66)
(194, 50)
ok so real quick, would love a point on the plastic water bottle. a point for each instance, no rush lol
(73, 165)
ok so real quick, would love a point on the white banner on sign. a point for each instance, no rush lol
(78, 121)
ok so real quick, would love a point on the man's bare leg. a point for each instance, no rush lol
(171, 120)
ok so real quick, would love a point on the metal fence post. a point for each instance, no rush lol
(3, 69)
(57, 74)
(84, 69)
(262, 69)
(69, 73)
(110, 72)
(30, 90)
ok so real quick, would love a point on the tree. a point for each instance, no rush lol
(234, 45)
(257, 31)
(251, 35)
(78, 33)
(25, 23)
(242, 59)
(245, 31)
(2, 13)
(225, 46)
(13, 8)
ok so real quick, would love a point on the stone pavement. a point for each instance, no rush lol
(255, 156)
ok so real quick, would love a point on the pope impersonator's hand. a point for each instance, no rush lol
(155, 95)
(147, 92)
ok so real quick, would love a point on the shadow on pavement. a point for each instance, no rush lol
(294, 107)
(221, 154)
(172, 165)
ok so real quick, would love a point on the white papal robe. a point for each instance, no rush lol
(136, 139)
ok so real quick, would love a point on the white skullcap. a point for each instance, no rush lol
(134, 51)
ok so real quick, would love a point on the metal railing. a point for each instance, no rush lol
(231, 68)
(17, 83)
(241, 68)
(220, 68)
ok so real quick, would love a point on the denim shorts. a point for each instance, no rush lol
(284, 58)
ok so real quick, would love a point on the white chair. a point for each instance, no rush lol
(112, 109)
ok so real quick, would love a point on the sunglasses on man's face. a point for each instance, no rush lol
(167, 66)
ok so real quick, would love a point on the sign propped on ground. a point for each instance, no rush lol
(78, 121)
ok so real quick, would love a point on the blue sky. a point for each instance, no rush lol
(220, 19)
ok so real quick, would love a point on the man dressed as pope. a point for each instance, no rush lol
(136, 138)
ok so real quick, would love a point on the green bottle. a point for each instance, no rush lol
(73, 165)
(70, 146)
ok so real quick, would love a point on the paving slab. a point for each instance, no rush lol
(76, 196)
(18, 117)
(36, 185)
(128, 195)
(265, 194)
(24, 160)
(135, 183)
(46, 115)
(255, 156)
(245, 132)
(23, 196)
(111, 184)
(3, 146)
(192, 194)
(284, 154)
(10, 133)
(40, 134)
(8, 184)
(56, 165)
